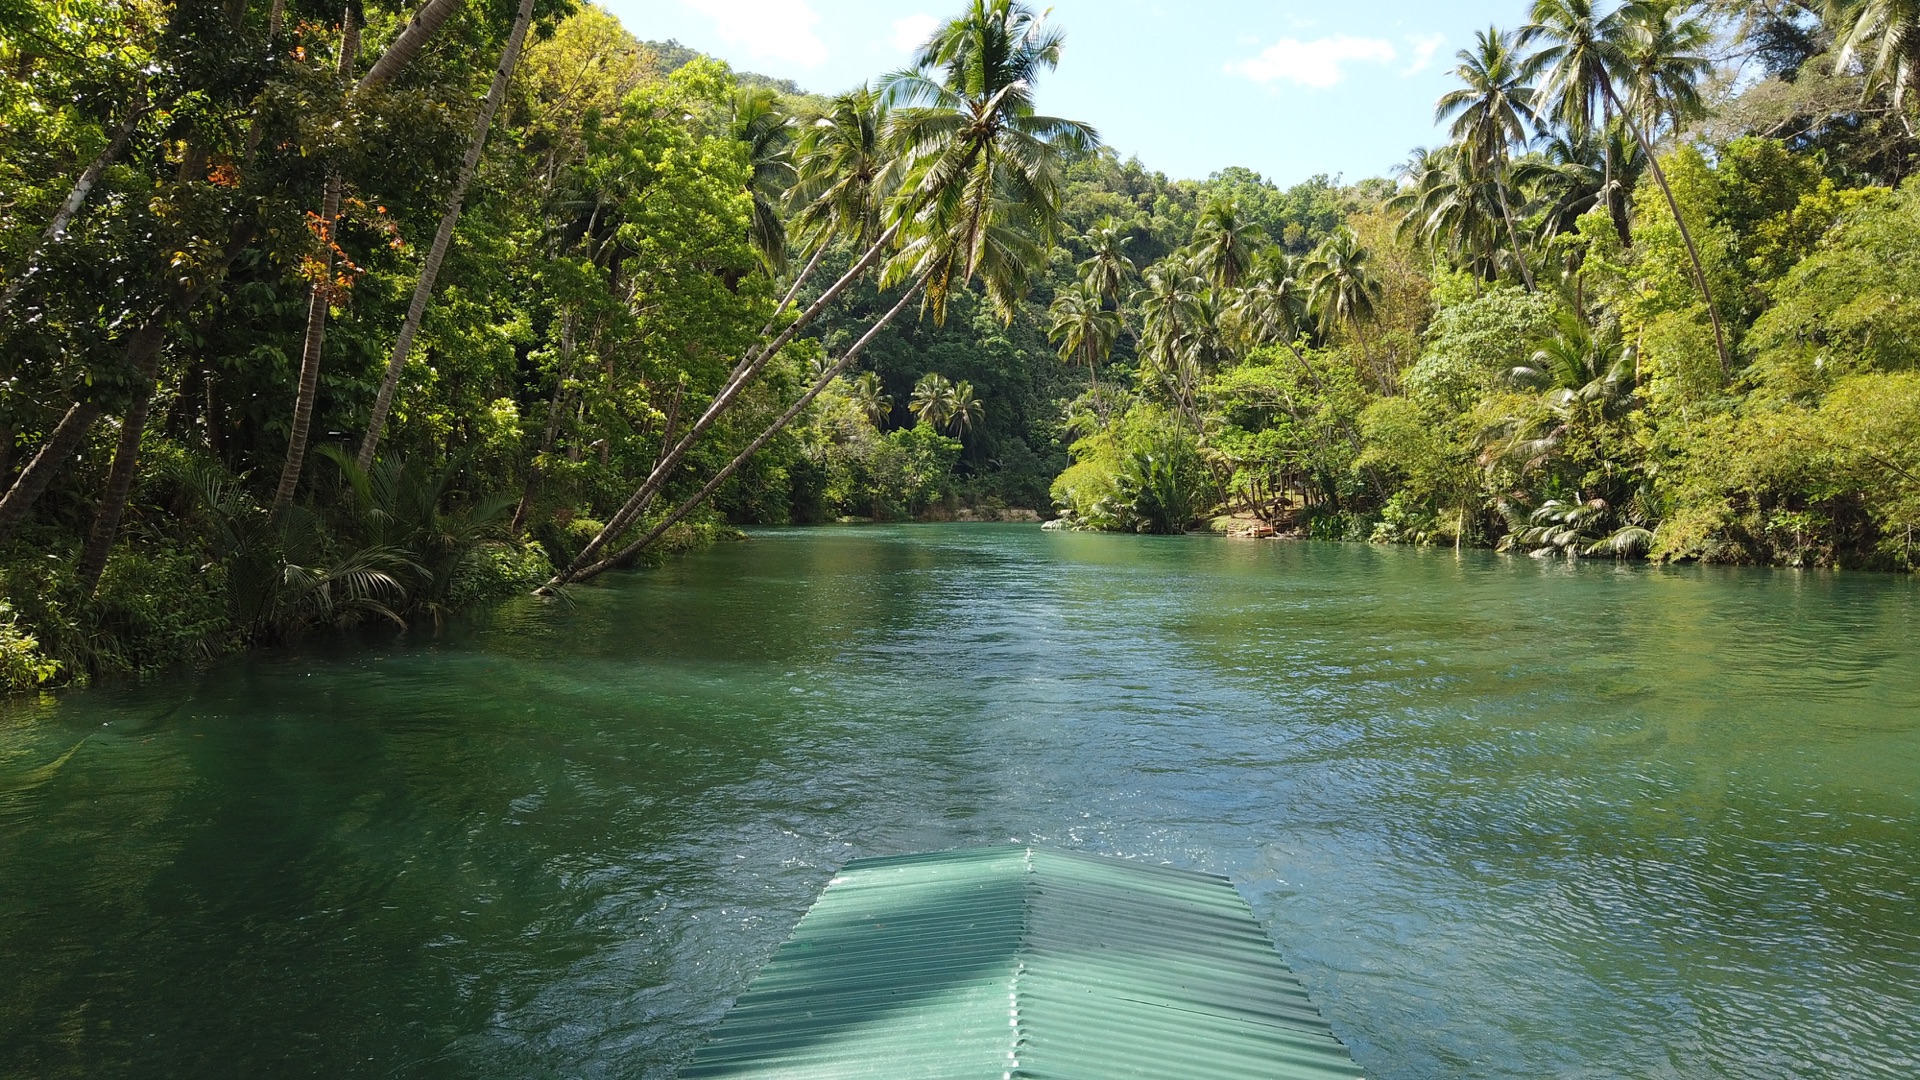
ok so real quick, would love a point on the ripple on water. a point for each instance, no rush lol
(1507, 819)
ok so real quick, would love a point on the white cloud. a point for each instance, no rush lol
(1424, 50)
(1320, 63)
(913, 31)
(776, 29)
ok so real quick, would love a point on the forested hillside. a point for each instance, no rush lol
(317, 313)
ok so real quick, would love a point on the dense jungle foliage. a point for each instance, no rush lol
(315, 313)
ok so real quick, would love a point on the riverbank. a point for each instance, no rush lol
(160, 608)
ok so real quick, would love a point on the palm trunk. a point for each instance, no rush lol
(425, 23)
(1513, 234)
(743, 373)
(76, 198)
(1686, 236)
(740, 460)
(443, 238)
(1311, 373)
(319, 298)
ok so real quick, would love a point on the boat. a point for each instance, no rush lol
(1015, 962)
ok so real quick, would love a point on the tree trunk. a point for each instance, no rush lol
(72, 430)
(126, 462)
(751, 365)
(1513, 234)
(425, 23)
(76, 198)
(320, 296)
(740, 460)
(33, 480)
(443, 237)
(1686, 235)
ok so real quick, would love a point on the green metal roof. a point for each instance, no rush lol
(1017, 962)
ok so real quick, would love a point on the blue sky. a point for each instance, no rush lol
(1286, 87)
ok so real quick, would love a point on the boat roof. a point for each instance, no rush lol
(1013, 962)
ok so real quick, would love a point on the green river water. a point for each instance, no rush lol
(1505, 818)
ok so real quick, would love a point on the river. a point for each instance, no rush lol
(1506, 818)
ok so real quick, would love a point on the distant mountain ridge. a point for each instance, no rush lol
(673, 56)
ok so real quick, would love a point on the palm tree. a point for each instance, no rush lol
(1581, 374)
(1083, 328)
(1492, 113)
(978, 196)
(933, 400)
(868, 393)
(1344, 291)
(987, 168)
(1275, 305)
(1584, 52)
(1567, 178)
(1224, 243)
(845, 172)
(1663, 50)
(767, 134)
(1451, 206)
(1108, 271)
(1884, 35)
(963, 408)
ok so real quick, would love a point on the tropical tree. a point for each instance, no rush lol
(964, 408)
(933, 400)
(1884, 36)
(1108, 270)
(1663, 51)
(436, 256)
(1492, 112)
(1225, 243)
(987, 168)
(1343, 289)
(1567, 177)
(1275, 305)
(1083, 328)
(845, 173)
(871, 396)
(1584, 52)
(978, 198)
(766, 132)
(1451, 207)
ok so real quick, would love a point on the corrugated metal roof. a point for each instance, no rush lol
(1019, 962)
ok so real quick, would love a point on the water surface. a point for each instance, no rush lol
(1506, 818)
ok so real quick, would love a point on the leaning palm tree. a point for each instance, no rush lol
(1492, 112)
(1884, 35)
(844, 172)
(1274, 306)
(978, 198)
(981, 153)
(1083, 329)
(1225, 242)
(1585, 52)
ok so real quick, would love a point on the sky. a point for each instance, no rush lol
(1289, 88)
